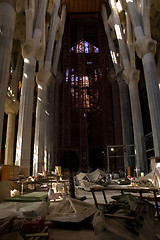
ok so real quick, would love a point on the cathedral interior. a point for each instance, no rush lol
(80, 119)
(79, 84)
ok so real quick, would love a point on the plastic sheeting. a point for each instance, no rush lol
(33, 209)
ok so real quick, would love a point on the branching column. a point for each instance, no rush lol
(146, 48)
(7, 24)
(126, 117)
(43, 79)
(131, 76)
(11, 108)
(59, 79)
(31, 51)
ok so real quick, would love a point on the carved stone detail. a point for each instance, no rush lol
(32, 47)
(131, 74)
(145, 45)
(43, 76)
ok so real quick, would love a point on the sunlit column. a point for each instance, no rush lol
(146, 48)
(126, 117)
(43, 79)
(31, 50)
(7, 24)
(52, 34)
(131, 76)
(56, 78)
(11, 108)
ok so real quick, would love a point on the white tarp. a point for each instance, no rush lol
(87, 180)
(31, 209)
(95, 176)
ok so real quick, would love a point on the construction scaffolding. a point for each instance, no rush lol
(116, 152)
(87, 114)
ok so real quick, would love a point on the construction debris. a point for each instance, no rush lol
(71, 210)
(151, 179)
(87, 180)
(135, 223)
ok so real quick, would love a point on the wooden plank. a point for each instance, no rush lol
(41, 234)
(43, 231)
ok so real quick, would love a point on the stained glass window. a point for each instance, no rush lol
(67, 74)
(84, 47)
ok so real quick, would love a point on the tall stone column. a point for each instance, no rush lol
(126, 117)
(146, 48)
(50, 135)
(58, 80)
(127, 127)
(131, 77)
(43, 79)
(31, 51)
(59, 41)
(49, 125)
(7, 24)
(11, 108)
(9, 151)
(56, 123)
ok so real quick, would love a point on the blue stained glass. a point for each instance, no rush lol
(67, 74)
(96, 50)
(84, 47)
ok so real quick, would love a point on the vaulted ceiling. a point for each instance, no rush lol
(79, 6)
(88, 9)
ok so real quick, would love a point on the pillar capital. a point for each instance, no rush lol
(43, 77)
(130, 74)
(32, 47)
(11, 2)
(11, 106)
(18, 5)
(145, 45)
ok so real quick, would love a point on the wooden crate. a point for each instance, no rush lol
(5, 190)
(10, 172)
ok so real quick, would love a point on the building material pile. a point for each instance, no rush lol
(151, 179)
(24, 214)
(71, 210)
(133, 220)
(87, 180)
